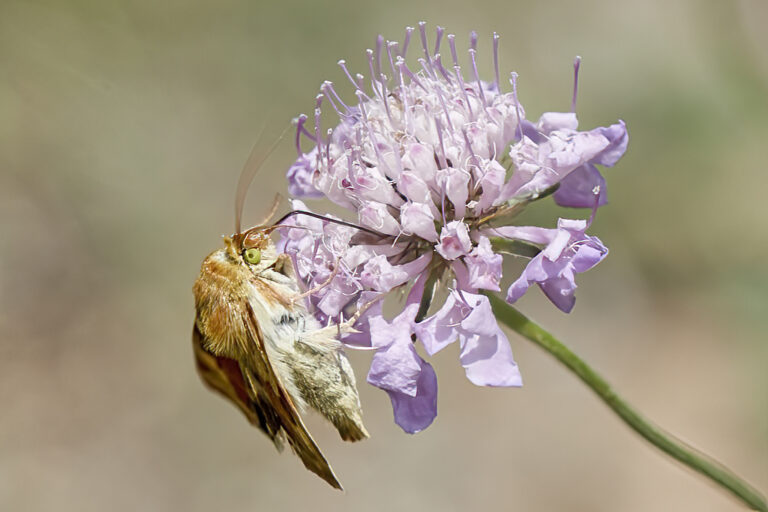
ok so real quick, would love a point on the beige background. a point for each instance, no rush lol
(123, 127)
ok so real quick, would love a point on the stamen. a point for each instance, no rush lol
(395, 48)
(328, 149)
(596, 193)
(440, 31)
(343, 65)
(371, 134)
(324, 88)
(576, 66)
(445, 109)
(497, 82)
(430, 72)
(406, 41)
(404, 94)
(481, 93)
(359, 86)
(391, 60)
(385, 97)
(519, 129)
(452, 44)
(443, 71)
(463, 88)
(425, 47)
(318, 111)
(379, 43)
(403, 67)
(376, 91)
(336, 96)
(473, 40)
(299, 130)
(441, 156)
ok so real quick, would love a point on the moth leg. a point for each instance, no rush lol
(281, 271)
(321, 286)
(284, 265)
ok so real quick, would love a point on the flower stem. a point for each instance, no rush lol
(664, 441)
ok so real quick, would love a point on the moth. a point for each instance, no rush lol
(256, 344)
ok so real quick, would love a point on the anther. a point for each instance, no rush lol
(440, 31)
(576, 66)
(452, 44)
(406, 41)
(480, 91)
(497, 83)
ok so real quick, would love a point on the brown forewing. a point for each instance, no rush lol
(254, 387)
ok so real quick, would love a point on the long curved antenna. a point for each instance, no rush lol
(250, 169)
(273, 210)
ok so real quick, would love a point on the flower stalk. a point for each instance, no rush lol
(664, 441)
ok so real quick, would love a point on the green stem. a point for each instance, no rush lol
(674, 447)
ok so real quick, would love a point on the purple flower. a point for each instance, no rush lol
(568, 251)
(484, 266)
(454, 240)
(435, 164)
(299, 176)
(485, 352)
(397, 369)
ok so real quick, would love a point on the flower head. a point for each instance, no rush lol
(435, 164)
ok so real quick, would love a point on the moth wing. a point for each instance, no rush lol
(224, 376)
(266, 382)
(264, 401)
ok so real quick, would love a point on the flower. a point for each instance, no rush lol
(568, 251)
(435, 165)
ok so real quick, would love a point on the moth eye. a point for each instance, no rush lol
(252, 256)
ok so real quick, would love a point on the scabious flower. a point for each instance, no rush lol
(435, 164)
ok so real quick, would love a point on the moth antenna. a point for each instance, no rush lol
(334, 221)
(252, 166)
(273, 210)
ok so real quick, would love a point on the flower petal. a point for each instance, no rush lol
(551, 121)
(569, 251)
(414, 413)
(417, 219)
(454, 240)
(299, 176)
(582, 188)
(396, 365)
(485, 352)
(484, 266)
(618, 138)
(440, 330)
(377, 216)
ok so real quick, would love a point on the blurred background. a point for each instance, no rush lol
(123, 129)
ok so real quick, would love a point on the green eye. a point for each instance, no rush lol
(252, 256)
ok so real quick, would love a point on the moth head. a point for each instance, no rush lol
(254, 248)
